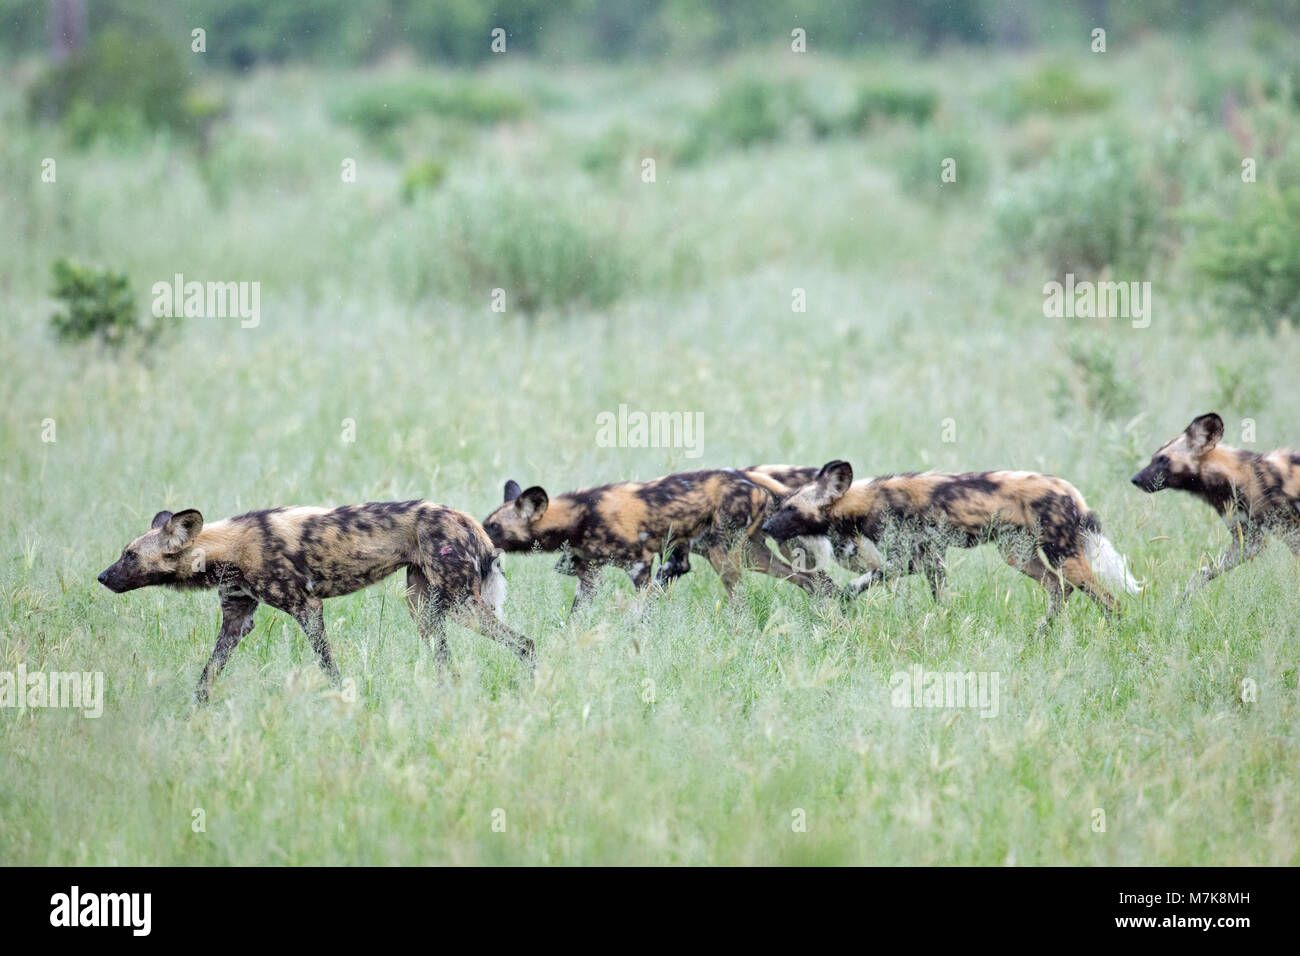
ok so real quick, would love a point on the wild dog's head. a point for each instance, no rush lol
(158, 556)
(1177, 464)
(511, 526)
(807, 511)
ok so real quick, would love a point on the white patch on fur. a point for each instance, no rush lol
(1109, 565)
(817, 551)
(494, 586)
(859, 553)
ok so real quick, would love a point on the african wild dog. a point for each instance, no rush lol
(1255, 495)
(294, 558)
(903, 524)
(716, 513)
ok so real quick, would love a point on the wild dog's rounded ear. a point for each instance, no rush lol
(532, 503)
(512, 490)
(834, 479)
(1205, 432)
(160, 519)
(181, 528)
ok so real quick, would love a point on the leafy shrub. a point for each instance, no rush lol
(921, 163)
(97, 303)
(1096, 382)
(535, 247)
(118, 86)
(379, 109)
(749, 112)
(876, 103)
(1054, 90)
(1239, 387)
(1251, 258)
(746, 113)
(1088, 207)
(422, 177)
(1277, 83)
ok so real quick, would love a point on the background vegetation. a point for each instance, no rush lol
(689, 733)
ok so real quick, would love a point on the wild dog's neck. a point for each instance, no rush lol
(558, 526)
(211, 557)
(856, 505)
(1215, 483)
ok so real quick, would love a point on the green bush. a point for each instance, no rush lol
(118, 86)
(97, 304)
(1089, 206)
(424, 176)
(1250, 259)
(1053, 90)
(1260, 83)
(533, 246)
(747, 113)
(380, 109)
(891, 103)
(920, 164)
(1095, 382)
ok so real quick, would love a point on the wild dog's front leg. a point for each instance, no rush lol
(812, 579)
(638, 569)
(860, 553)
(588, 580)
(675, 564)
(311, 618)
(1249, 543)
(236, 621)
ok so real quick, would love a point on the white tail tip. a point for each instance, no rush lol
(1109, 565)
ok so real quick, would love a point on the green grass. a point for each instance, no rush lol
(761, 706)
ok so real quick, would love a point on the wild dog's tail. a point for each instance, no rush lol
(494, 580)
(1109, 565)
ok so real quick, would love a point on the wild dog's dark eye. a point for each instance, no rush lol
(493, 527)
(130, 555)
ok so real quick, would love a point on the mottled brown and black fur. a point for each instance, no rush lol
(1255, 494)
(717, 513)
(779, 481)
(295, 558)
(904, 524)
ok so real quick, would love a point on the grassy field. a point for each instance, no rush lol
(759, 730)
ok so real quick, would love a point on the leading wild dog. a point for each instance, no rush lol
(717, 513)
(1255, 495)
(294, 558)
(904, 524)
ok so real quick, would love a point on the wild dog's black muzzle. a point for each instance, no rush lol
(1144, 480)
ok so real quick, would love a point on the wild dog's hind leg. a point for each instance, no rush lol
(933, 565)
(1057, 587)
(476, 614)
(430, 618)
(1078, 573)
(237, 611)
